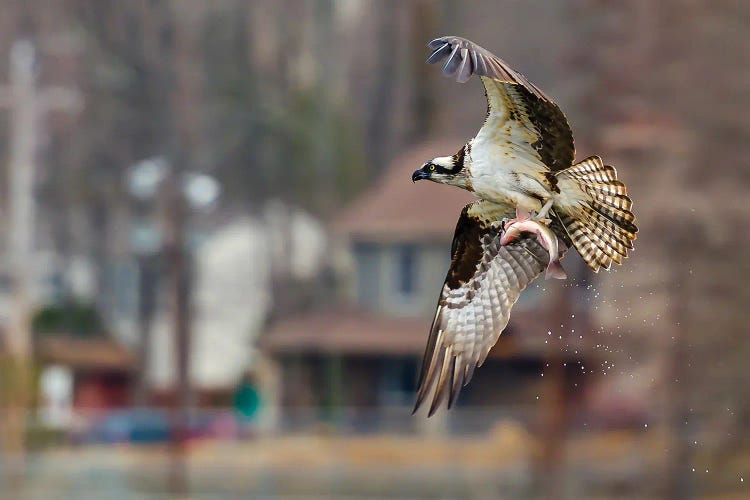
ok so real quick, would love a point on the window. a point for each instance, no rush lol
(397, 380)
(368, 274)
(406, 269)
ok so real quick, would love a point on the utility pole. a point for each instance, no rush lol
(23, 104)
(28, 106)
(555, 408)
(182, 145)
(147, 283)
(179, 269)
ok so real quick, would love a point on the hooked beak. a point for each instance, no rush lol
(419, 175)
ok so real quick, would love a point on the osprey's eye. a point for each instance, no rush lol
(432, 168)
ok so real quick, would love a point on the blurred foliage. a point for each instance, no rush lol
(274, 151)
(39, 437)
(17, 378)
(262, 136)
(70, 318)
(14, 374)
(269, 138)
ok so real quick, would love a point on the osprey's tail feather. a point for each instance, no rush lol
(595, 209)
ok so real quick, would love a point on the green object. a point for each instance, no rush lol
(246, 401)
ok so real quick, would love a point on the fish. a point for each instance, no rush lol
(523, 223)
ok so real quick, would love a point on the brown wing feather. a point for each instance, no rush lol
(480, 61)
(484, 281)
(510, 95)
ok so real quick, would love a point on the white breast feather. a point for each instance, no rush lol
(503, 164)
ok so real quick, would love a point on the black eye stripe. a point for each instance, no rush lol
(458, 159)
(438, 168)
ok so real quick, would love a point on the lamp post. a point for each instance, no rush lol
(179, 191)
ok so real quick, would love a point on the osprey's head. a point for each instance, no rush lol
(443, 169)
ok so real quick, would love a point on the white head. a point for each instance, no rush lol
(445, 170)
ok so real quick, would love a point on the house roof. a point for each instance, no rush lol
(84, 353)
(353, 331)
(397, 209)
(347, 331)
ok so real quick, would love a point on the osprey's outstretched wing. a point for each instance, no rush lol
(519, 115)
(484, 281)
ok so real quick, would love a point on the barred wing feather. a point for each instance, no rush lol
(483, 282)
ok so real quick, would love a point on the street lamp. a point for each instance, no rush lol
(147, 181)
(201, 190)
(145, 177)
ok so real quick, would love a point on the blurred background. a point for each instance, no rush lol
(216, 278)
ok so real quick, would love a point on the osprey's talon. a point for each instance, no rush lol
(542, 214)
(501, 224)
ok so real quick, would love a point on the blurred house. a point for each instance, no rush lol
(233, 264)
(82, 375)
(364, 352)
(82, 366)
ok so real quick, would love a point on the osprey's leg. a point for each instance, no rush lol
(542, 214)
(499, 225)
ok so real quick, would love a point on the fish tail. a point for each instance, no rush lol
(555, 271)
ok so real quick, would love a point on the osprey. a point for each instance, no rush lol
(523, 156)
